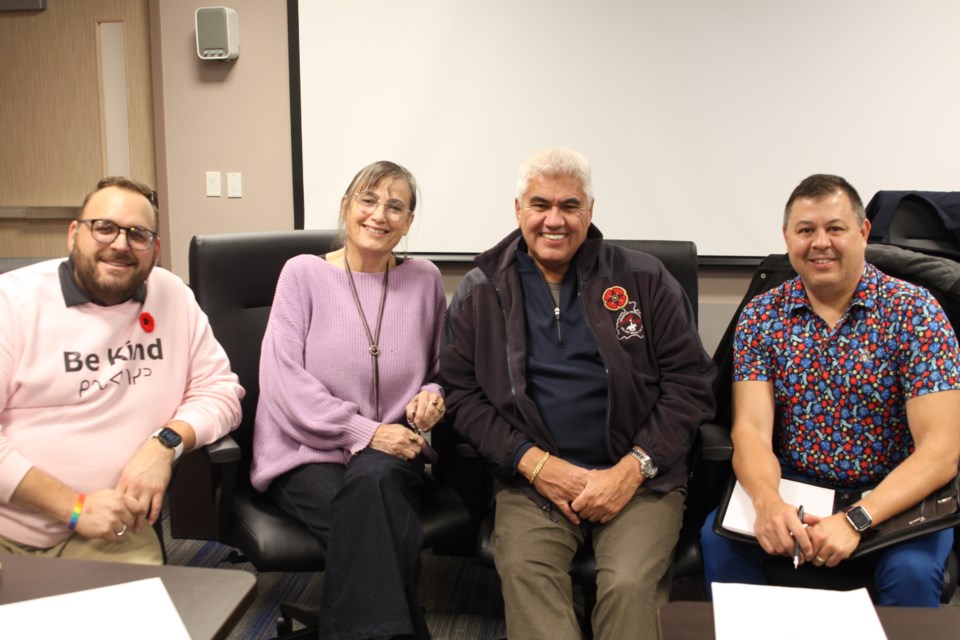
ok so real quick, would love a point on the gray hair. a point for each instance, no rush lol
(556, 162)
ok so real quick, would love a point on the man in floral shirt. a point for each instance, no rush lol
(847, 378)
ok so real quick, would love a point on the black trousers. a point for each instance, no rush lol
(366, 514)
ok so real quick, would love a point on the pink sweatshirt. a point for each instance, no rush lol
(316, 403)
(83, 387)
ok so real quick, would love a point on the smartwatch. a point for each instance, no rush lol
(859, 519)
(647, 468)
(170, 439)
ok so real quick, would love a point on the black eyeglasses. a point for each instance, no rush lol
(106, 231)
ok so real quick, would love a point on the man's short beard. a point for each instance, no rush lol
(112, 291)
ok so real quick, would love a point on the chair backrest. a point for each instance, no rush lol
(234, 277)
(680, 259)
(9, 264)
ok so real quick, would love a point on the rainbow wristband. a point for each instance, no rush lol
(77, 508)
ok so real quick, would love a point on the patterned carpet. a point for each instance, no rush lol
(461, 597)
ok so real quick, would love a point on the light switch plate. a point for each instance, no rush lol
(234, 186)
(213, 184)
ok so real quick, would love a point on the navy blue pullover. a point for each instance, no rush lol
(566, 377)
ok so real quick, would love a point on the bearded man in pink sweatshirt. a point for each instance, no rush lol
(108, 372)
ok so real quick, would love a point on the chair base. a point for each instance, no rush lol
(306, 632)
(291, 612)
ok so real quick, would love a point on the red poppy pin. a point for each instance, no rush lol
(146, 321)
(615, 298)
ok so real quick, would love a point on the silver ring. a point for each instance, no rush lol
(122, 531)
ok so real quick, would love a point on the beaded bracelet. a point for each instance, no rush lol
(77, 508)
(536, 469)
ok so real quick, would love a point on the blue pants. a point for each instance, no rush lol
(909, 574)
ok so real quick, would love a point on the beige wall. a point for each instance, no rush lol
(721, 289)
(221, 116)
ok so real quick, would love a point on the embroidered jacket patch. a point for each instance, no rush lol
(630, 323)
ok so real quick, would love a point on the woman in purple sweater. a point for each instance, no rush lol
(348, 384)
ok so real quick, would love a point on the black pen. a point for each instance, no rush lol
(796, 544)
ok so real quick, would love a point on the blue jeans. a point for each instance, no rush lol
(908, 574)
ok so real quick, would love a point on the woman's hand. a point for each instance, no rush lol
(397, 440)
(425, 410)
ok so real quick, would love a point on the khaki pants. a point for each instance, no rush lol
(133, 548)
(533, 550)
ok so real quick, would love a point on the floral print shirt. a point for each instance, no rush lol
(841, 392)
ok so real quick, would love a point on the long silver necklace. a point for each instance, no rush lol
(373, 339)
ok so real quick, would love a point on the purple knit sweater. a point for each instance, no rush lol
(316, 399)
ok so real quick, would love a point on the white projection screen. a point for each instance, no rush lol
(698, 116)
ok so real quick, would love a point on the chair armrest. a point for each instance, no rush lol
(224, 457)
(223, 451)
(711, 473)
(716, 444)
(202, 491)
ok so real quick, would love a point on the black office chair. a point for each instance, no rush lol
(9, 264)
(939, 275)
(234, 277)
(680, 259)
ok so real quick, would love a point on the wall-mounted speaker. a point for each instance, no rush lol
(218, 33)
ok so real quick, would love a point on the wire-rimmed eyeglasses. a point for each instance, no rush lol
(106, 231)
(393, 209)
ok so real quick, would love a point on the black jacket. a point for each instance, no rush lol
(660, 380)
